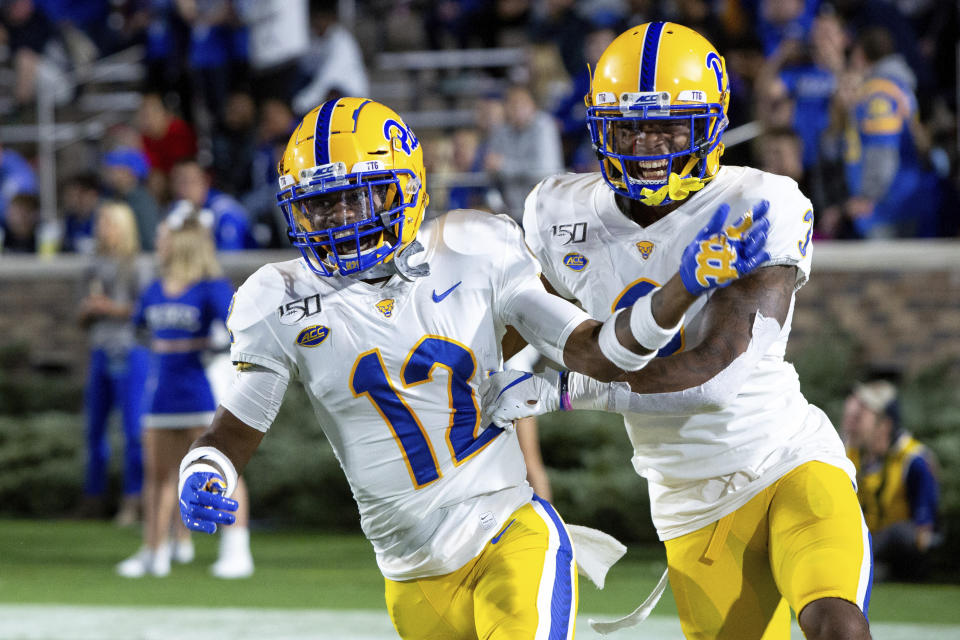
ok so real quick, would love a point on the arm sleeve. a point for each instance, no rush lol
(544, 320)
(922, 492)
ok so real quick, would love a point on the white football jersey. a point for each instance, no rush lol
(701, 466)
(392, 373)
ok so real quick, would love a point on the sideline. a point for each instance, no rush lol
(53, 622)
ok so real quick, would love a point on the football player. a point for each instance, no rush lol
(749, 486)
(390, 322)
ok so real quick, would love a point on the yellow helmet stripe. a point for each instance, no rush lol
(321, 133)
(648, 59)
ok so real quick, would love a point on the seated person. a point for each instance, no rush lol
(897, 486)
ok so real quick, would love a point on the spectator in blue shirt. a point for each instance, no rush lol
(211, 48)
(79, 202)
(125, 172)
(16, 177)
(781, 20)
(231, 223)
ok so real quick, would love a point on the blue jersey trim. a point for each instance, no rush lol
(866, 597)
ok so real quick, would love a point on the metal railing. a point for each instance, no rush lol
(49, 136)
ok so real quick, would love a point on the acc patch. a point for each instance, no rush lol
(645, 247)
(576, 261)
(313, 335)
(385, 307)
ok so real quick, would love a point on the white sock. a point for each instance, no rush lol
(234, 539)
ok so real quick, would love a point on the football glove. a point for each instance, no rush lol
(718, 255)
(202, 505)
(510, 395)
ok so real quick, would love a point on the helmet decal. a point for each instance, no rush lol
(648, 63)
(404, 136)
(356, 113)
(713, 62)
(321, 133)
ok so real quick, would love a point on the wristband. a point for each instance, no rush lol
(211, 455)
(565, 404)
(644, 326)
(615, 352)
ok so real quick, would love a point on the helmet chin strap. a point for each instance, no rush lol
(677, 188)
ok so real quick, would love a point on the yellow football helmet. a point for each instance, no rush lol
(665, 81)
(352, 186)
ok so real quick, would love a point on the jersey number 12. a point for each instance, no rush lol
(370, 378)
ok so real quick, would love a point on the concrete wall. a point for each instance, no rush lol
(900, 300)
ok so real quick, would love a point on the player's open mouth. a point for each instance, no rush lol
(652, 170)
(348, 248)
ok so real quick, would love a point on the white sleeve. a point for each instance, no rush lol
(791, 226)
(531, 232)
(255, 396)
(252, 338)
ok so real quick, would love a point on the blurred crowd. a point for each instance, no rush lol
(856, 100)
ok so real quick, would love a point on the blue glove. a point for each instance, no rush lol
(718, 256)
(202, 505)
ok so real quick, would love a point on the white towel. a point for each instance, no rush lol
(595, 551)
(637, 616)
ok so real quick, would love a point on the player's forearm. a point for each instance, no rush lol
(681, 371)
(667, 305)
(586, 353)
(561, 331)
(683, 384)
(228, 434)
(730, 326)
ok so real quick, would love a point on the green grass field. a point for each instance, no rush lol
(70, 564)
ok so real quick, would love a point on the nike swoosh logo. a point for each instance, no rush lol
(438, 298)
(495, 539)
